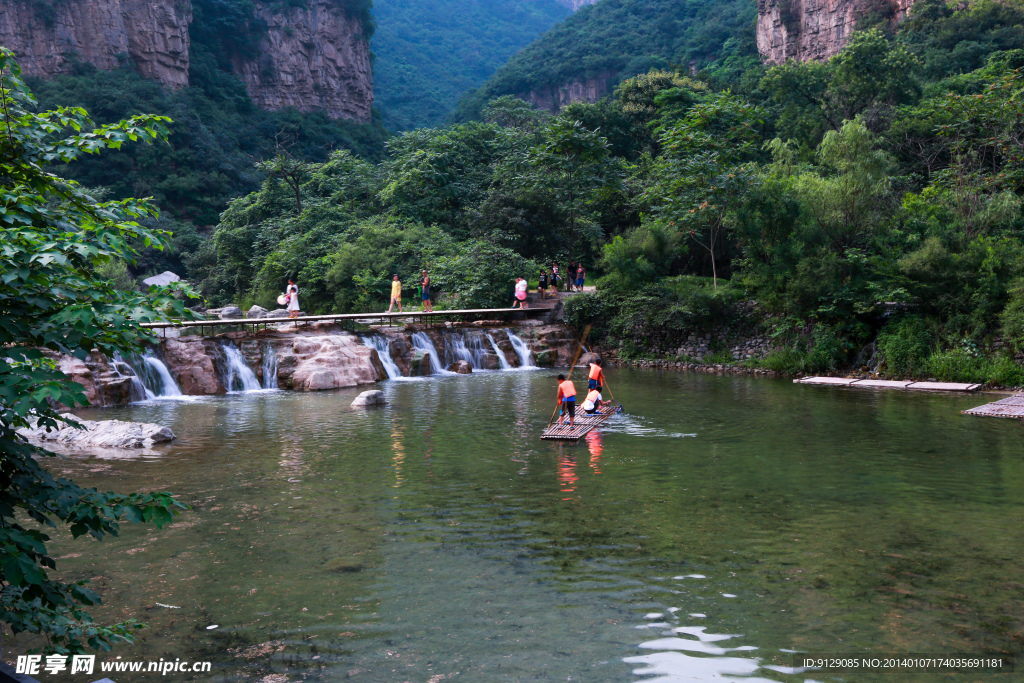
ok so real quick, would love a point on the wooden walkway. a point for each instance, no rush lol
(1011, 406)
(352, 319)
(584, 423)
(887, 384)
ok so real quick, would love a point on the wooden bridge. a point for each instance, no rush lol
(353, 320)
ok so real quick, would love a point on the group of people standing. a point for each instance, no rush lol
(573, 278)
(423, 288)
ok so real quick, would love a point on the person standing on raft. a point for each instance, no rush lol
(567, 399)
(596, 380)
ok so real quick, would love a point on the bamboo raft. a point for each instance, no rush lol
(584, 423)
(1011, 406)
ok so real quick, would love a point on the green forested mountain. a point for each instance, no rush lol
(429, 52)
(625, 38)
(868, 205)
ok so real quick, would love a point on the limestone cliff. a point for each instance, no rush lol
(48, 36)
(313, 58)
(555, 98)
(815, 29)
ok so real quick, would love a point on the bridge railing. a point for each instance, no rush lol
(349, 319)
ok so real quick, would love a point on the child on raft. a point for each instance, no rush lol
(593, 402)
(596, 377)
(567, 399)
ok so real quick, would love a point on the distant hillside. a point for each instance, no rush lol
(587, 54)
(429, 52)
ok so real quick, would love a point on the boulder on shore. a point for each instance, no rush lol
(230, 313)
(277, 313)
(256, 312)
(588, 358)
(374, 397)
(101, 434)
(461, 367)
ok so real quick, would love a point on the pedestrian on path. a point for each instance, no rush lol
(396, 293)
(425, 295)
(570, 276)
(580, 277)
(542, 283)
(292, 292)
(556, 277)
(567, 399)
(521, 286)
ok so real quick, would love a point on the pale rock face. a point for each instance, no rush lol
(101, 434)
(811, 29)
(576, 4)
(556, 98)
(318, 363)
(149, 33)
(311, 58)
(191, 362)
(374, 397)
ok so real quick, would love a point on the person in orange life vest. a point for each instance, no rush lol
(592, 402)
(596, 380)
(567, 399)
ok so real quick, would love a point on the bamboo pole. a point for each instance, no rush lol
(572, 367)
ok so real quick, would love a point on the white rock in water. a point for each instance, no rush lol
(102, 434)
(374, 397)
(230, 313)
(277, 313)
(256, 312)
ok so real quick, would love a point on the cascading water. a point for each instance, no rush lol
(239, 376)
(269, 367)
(383, 347)
(421, 341)
(167, 386)
(465, 346)
(505, 365)
(139, 391)
(522, 350)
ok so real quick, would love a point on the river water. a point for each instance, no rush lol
(718, 525)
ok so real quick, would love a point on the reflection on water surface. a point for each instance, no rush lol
(720, 525)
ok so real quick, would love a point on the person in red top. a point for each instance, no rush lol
(567, 399)
(596, 380)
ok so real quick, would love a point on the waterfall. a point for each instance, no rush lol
(505, 365)
(382, 345)
(421, 341)
(269, 366)
(464, 346)
(139, 391)
(167, 385)
(522, 350)
(239, 374)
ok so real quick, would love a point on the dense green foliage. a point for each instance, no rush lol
(429, 52)
(57, 242)
(618, 39)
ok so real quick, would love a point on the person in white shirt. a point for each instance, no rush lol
(521, 286)
(592, 402)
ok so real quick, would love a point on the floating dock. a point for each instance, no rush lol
(584, 423)
(1011, 406)
(888, 384)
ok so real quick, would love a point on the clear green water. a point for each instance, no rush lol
(440, 539)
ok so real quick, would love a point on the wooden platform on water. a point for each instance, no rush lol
(1011, 406)
(584, 423)
(888, 384)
